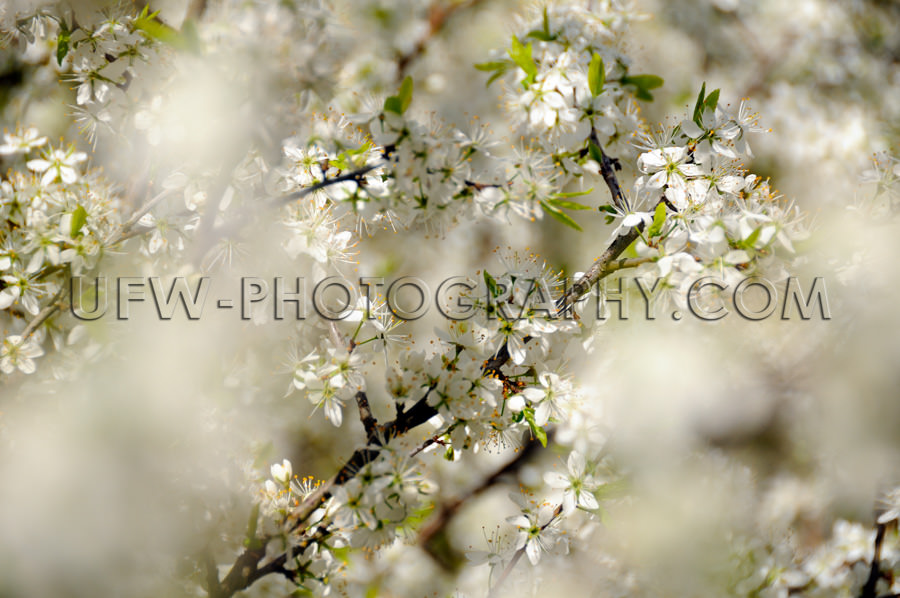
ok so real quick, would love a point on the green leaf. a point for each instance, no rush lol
(560, 215)
(79, 217)
(400, 102)
(156, 30)
(698, 107)
(567, 205)
(521, 55)
(405, 93)
(595, 152)
(573, 193)
(498, 66)
(596, 75)
(608, 209)
(492, 65)
(538, 431)
(491, 284)
(705, 103)
(643, 84)
(62, 44)
(711, 101)
(543, 34)
(659, 219)
(750, 241)
(393, 104)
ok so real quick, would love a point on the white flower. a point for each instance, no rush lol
(892, 507)
(58, 164)
(19, 353)
(282, 473)
(667, 168)
(537, 532)
(21, 143)
(577, 484)
(547, 397)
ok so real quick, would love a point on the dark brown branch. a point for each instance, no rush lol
(599, 269)
(370, 424)
(868, 590)
(353, 175)
(608, 168)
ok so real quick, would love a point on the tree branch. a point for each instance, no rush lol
(370, 424)
(868, 590)
(450, 508)
(438, 15)
(353, 175)
(421, 412)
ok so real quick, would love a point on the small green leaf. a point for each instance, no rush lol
(79, 217)
(560, 215)
(62, 46)
(711, 101)
(608, 209)
(521, 55)
(595, 152)
(567, 205)
(491, 284)
(393, 104)
(659, 219)
(573, 193)
(541, 35)
(750, 241)
(596, 75)
(400, 102)
(643, 84)
(538, 431)
(405, 93)
(499, 67)
(698, 107)
(492, 65)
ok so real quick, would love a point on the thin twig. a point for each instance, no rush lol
(438, 16)
(42, 316)
(450, 508)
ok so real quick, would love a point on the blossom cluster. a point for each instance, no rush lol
(57, 221)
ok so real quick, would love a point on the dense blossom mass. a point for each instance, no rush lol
(231, 138)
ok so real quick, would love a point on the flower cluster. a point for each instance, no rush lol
(56, 223)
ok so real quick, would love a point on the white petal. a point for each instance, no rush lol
(533, 551)
(690, 128)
